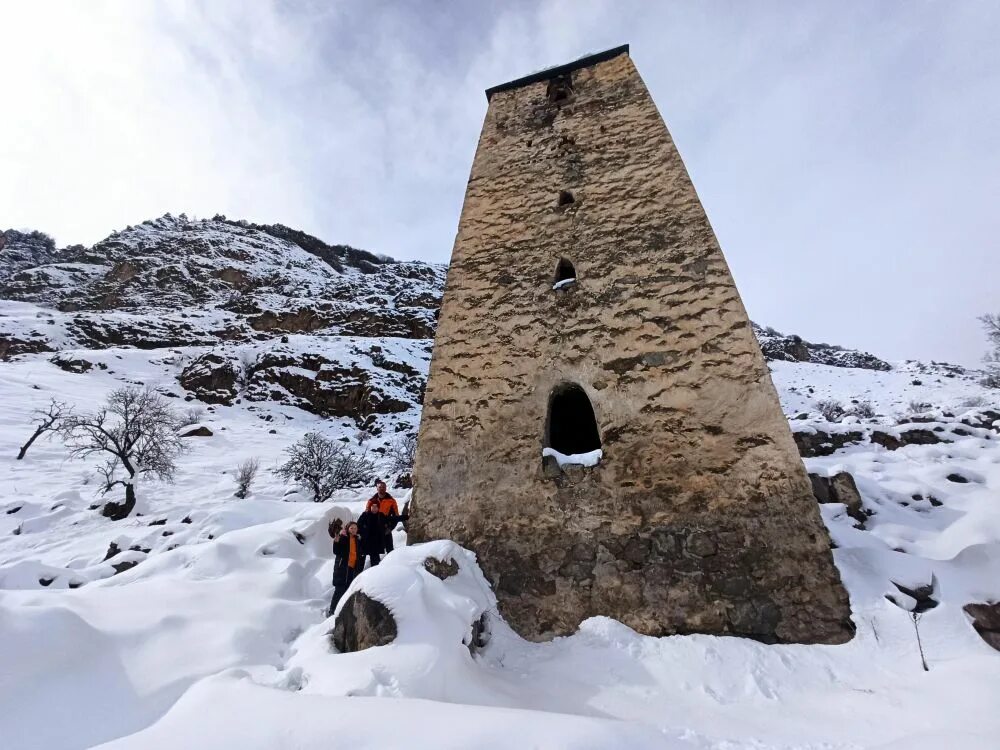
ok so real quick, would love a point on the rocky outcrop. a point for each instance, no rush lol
(819, 443)
(813, 442)
(11, 346)
(906, 437)
(365, 384)
(363, 622)
(211, 378)
(21, 250)
(791, 348)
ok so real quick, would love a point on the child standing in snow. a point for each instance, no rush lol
(372, 530)
(347, 562)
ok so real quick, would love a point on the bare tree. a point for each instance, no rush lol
(324, 466)
(246, 472)
(402, 452)
(992, 359)
(47, 420)
(136, 432)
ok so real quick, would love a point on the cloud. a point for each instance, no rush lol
(847, 155)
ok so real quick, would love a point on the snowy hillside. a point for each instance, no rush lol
(174, 281)
(199, 621)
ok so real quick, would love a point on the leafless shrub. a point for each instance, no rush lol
(918, 407)
(245, 369)
(47, 421)
(402, 452)
(324, 466)
(246, 472)
(973, 402)
(830, 409)
(862, 409)
(136, 432)
(192, 415)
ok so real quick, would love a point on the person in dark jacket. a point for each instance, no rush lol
(389, 511)
(347, 562)
(372, 530)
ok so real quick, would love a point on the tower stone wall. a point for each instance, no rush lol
(699, 516)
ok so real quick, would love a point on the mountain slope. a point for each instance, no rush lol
(173, 281)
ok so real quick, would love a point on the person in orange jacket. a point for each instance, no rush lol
(388, 509)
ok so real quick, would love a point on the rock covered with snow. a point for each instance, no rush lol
(432, 593)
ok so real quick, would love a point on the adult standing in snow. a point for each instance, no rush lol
(347, 562)
(372, 530)
(389, 510)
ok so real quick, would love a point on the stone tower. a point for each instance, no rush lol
(588, 307)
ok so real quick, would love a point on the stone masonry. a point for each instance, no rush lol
(699, 517)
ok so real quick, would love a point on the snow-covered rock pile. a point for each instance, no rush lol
(791, 348)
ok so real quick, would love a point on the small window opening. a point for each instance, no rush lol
(566, 198)
(565, 274)
(560, 89)
(571, 428)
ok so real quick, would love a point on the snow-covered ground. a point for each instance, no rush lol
(218, 637)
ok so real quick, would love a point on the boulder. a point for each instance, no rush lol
(840, 488)
(363, 623)
(71, 364)
(986, 620)
(196, 430)
(123, 566)
(923, 597)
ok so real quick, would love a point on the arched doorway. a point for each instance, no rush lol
(571, 427)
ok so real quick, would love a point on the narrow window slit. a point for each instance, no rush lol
(566, 198)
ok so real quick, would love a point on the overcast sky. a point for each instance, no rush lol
(847, 153)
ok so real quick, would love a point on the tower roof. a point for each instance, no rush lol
(548, 73)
